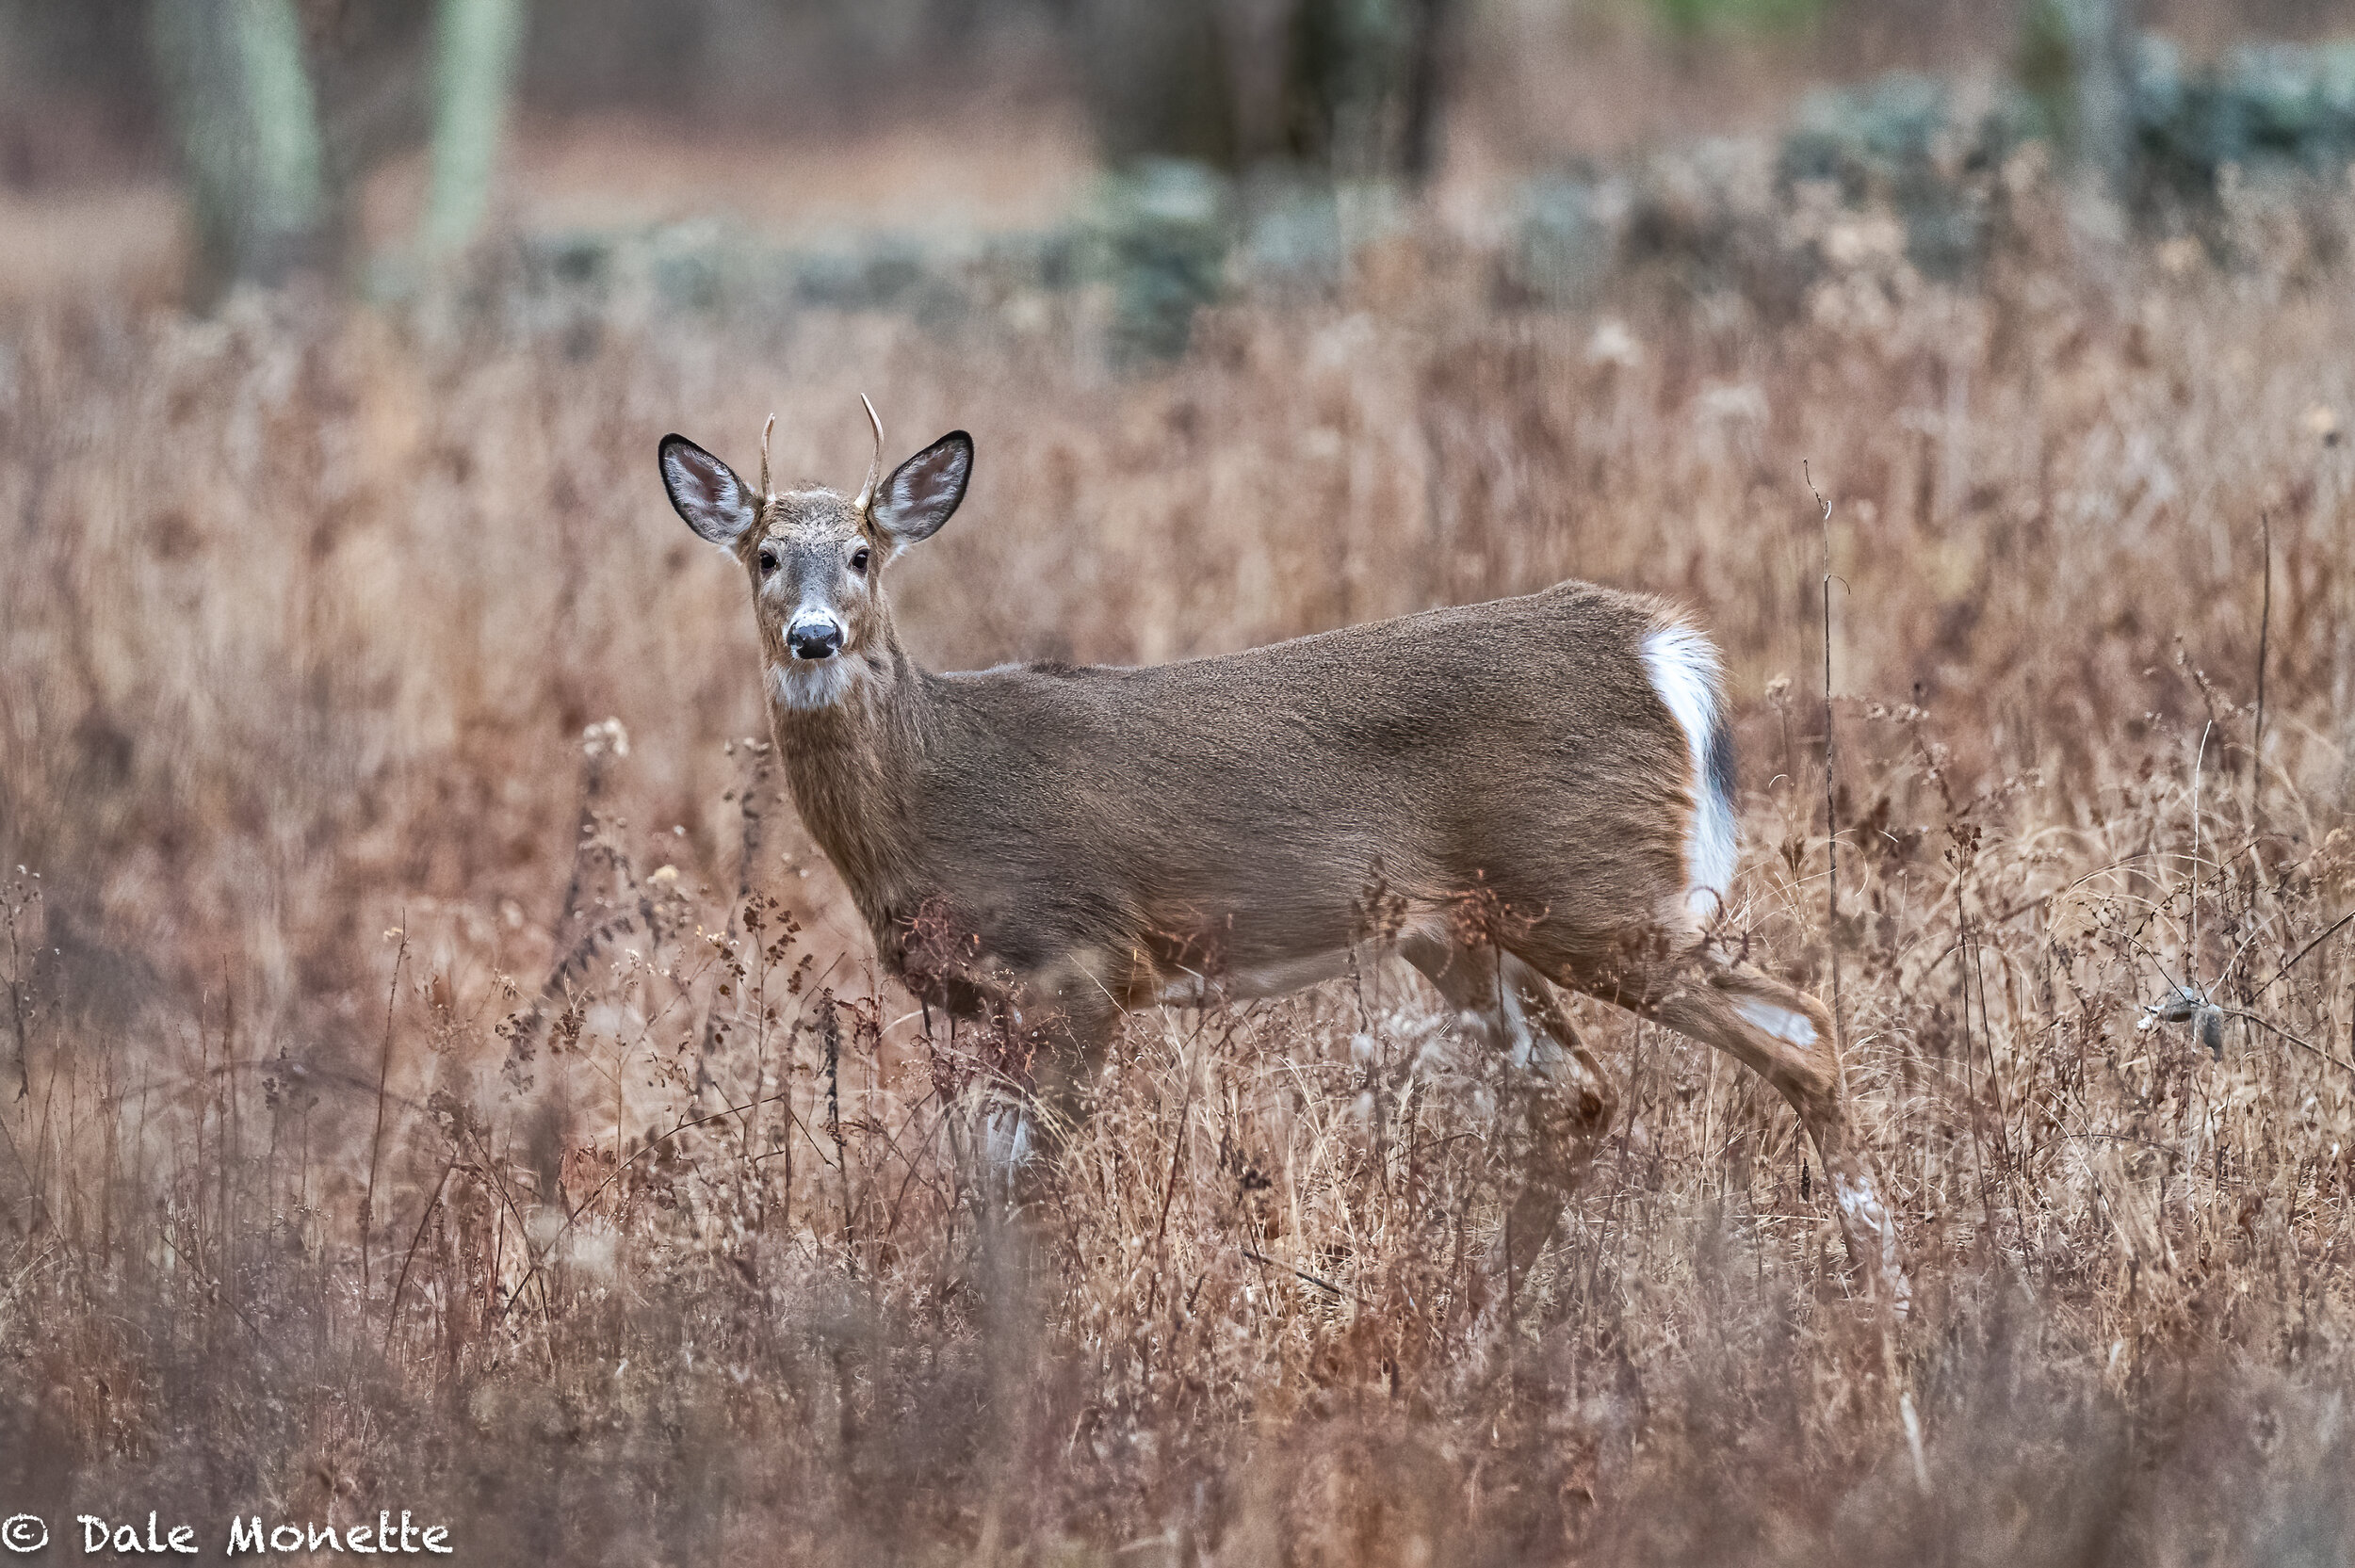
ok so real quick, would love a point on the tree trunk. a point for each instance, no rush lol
(1158, 80)
(1365, 85)
(475, 48)
(1351, 88)
(248, 128)
(2075, 61)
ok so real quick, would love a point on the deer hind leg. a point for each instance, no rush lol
(1562, 1102)
(1786, 1037)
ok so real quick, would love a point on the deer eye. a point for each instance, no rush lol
(858, 561)
(767, 560)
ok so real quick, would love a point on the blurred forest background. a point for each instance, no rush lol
(436, 1072)
(172, 151)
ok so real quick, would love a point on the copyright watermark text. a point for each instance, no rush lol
(247, 1535)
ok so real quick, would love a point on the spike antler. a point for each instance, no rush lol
(874, 469)
(765, 496)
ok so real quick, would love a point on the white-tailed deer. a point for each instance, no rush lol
(1540, 788)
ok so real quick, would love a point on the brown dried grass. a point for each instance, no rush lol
(306, 614)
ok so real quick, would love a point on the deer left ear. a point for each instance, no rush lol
(923, 491)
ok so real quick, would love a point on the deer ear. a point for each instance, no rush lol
(923, 491)
(706, 492)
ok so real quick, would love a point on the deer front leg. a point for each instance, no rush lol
(1049, 1051)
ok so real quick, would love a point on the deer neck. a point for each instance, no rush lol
(852, 766)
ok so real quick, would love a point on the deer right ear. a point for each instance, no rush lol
(706, 492)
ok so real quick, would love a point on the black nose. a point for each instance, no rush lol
(814, 642)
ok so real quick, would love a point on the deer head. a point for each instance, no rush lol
(816, 559)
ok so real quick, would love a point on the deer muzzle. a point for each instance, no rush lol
(814, 637)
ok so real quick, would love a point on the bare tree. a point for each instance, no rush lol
(475, 47)
(2074, 60)
(1348, 87)
(247, 125)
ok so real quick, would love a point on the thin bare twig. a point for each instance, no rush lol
(19, 994)
(2302, 1044)
(1169, 1189)
(2200, 761)
(1832, 809)
(2265, 628)
(383, 1071)
(2327, 933)
(392, 1314)
(1337, 1291)
(614, 1175)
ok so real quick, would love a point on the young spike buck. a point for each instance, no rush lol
(1540, 786)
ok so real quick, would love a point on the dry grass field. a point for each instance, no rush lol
(438, 1072)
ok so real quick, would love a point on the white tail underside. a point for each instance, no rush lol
(1686, 671)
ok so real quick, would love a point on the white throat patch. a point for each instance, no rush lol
(806, 684)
